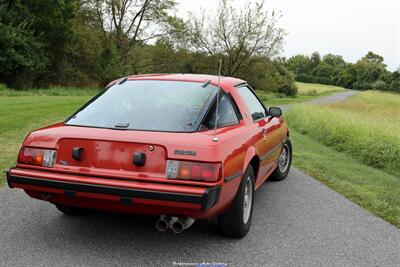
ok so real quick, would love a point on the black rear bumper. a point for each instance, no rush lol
(207, 200)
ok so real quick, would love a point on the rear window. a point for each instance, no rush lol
(148, 105)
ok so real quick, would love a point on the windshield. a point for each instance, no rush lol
(172, 106)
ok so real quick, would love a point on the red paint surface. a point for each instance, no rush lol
(107, 158)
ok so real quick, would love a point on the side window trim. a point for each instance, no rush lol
(259, 100)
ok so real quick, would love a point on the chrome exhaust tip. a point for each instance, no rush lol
(165, 222)
(181, 224)
(162, 225)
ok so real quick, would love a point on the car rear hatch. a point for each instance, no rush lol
(111, 158)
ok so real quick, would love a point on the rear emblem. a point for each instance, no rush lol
(185, 152)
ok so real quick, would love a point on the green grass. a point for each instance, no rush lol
(373, 189)
(306, 92)
(22, 114)
(354, 148)
(312, 89)
(55, 91)
(383, 107)
(374, 142)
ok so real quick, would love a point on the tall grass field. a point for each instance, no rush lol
(365, 126)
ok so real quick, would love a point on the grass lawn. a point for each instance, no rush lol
(306, 91)
(22, 114)
(311, 89)
(373, 189)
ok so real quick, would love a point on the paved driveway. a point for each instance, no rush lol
(298, 221)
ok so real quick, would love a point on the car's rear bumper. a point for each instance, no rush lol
(67, 187)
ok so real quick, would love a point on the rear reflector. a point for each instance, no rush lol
(37, 157)
(195, 171)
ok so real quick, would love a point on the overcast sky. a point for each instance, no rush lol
(349, 28)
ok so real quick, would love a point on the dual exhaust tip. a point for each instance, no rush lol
(177, 224)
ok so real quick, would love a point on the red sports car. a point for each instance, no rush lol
(179, 146)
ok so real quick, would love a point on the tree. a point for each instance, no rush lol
(315, 59)
(346, 76)
(299, 64)
(238, 36)
(127, 23)
(35, 36)
(22, 55)
(334, 60)
(373, 58)
(324, 70)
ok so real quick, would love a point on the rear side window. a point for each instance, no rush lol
(255, 107)
(173, 106)
(226, 114)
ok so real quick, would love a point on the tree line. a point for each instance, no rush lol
(367, 73)
(88, 43)
(91, 42)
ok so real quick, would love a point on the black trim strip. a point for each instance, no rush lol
(240, 84)
(7, 178)
(207, 200)
(270, 152)
(233, 176)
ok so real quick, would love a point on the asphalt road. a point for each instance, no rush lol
(296, 222)
(329, 99)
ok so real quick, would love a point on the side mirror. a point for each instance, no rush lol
(275, 112)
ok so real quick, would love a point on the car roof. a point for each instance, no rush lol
(185, 77)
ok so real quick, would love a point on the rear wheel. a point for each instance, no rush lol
(69, 210)
(284, 162)
(236, 221)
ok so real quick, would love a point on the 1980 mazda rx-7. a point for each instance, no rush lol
(148, 144)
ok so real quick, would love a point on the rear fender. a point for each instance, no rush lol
(251, 152)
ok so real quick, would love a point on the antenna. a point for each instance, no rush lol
(215, 139)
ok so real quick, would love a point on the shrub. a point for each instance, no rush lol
(271, 77)
(378, 85)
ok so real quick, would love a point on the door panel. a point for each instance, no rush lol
(269, 132)
(269, 144)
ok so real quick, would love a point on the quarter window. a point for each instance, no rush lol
(255, 107)
(226, 114)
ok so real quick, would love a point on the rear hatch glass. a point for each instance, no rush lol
(148, 105)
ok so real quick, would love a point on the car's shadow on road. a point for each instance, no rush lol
(96, 225)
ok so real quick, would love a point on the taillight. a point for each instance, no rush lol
(196, 171)
(37, 157)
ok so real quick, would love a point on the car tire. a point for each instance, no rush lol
(284, 162)
(236, 221)
(69, 210)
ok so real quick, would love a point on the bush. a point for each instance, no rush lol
(378, 85)
(361, 85)
(273, 77)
